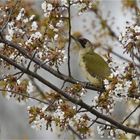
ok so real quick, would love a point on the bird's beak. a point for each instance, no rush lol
(76, 47)
(76, 40)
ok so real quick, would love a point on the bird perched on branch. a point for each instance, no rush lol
(94, 67)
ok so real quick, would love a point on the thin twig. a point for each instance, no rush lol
(69, 43)
(17, 73)
(34, 83)
(130, 114)
(94, 121)
(25, 95)
(63, 85)
(102, 123)
(112, 33)
(10, 14)
(74, 132)
(20, 76)
(37, 86)
(33, 56)
(119, 56)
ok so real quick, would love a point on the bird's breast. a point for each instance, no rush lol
(95, 81)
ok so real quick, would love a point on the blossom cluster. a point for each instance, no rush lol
(47, 8)
(52, 56)
(25, 30)
(15, 27)
(60, 112)
(130, 38)
(120, 85)
(103, 129)
(17, 89)
(55, 16)
(63, 116)
(76, 90)
(33, 37)
(37, 117)
(12, 30)
(82, 5)
(22, 28)
(123, 82)
(104, 103)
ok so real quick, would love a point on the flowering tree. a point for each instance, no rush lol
(30, 42)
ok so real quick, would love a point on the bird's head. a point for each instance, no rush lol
(84, 43)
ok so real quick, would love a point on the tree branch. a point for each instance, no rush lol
(73, 100)
(10, 14)
(47, 68)
(130, 114)
(25, 95)
(74, 132)
(69, 42)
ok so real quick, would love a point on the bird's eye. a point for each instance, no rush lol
(83, 42)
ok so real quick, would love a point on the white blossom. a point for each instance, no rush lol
(37, 35)
(95, 101)
(32, 17)
(46, 14)
(77, 117)
(129, 34)
(1, 45)
(34, 26)
(21, 14)
(59, 114)
(64, 2)
(39, 124)
(120, 89)
(25, 20)
(34, 36)
(106, 82)
(49, 7)
(30, 87)
(59, 24)
(44, 6)
(8, 37)
(11, 31)
(100, 130)
(51, 26)
(55, 36)
(119, 86)
(28, 108)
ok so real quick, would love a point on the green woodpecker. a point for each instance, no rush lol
(94, 66)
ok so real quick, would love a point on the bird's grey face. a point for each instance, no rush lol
(83, 42)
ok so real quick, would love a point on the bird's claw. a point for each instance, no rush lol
(85, 84)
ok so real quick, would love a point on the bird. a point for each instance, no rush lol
(94, 67)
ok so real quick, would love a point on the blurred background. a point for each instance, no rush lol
(14, 117)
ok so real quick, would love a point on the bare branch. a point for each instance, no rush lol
(120, 56)
(10, 14)
(47, 68)
(94, 121)
(15, 74)
(73, 100)
(69, 43)
(74, 132)
(130, 114)
(25, 95)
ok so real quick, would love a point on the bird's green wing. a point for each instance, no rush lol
(96, 65)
